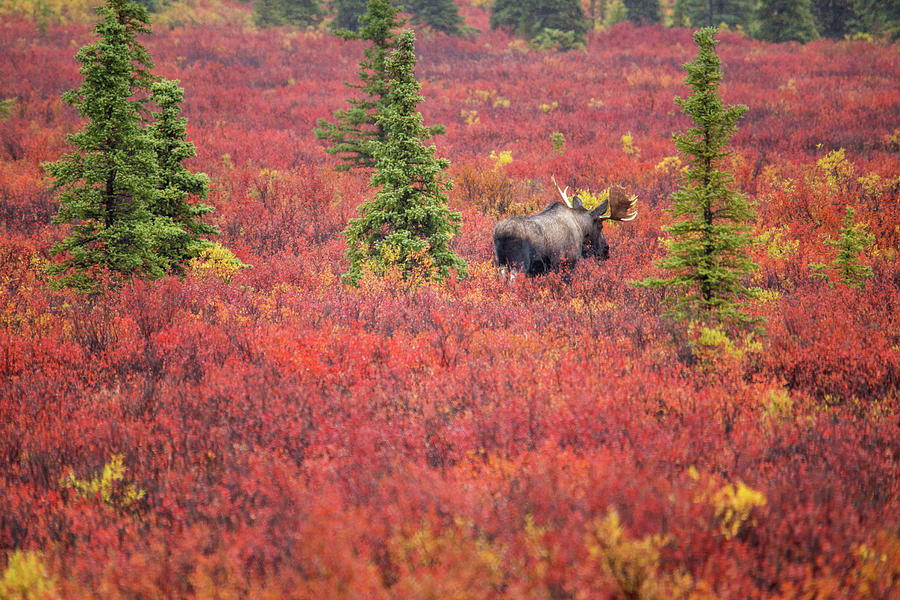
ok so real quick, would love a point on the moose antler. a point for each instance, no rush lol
(562, 193)
(621, 207)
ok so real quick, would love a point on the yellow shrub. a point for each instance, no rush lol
(470, 116)
(591, 200)
(779, 405)
(502, 159)
(216, 260)
(489, 97)
(628, 146)
(633, 564)
(399, 268)
(26, 578)
(670, 165)
(859, 36)
(871, 184)
(733, 503)
(836, 167)
(776, 243)
(110, 486)
(733, 506)
(452, 563)
(713, 347)
(893, 140)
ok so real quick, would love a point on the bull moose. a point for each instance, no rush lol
(562, 233)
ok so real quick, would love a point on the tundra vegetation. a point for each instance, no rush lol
(272, 432)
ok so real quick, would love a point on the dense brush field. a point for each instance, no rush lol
(272, 433)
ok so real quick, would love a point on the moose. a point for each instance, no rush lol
(561, 234)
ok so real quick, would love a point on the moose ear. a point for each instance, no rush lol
(577, 203)
(601, 209)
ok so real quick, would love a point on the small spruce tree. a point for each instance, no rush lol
(176, 183)
(707, 249)
(853, 240)
(107, 185)
(408, 225)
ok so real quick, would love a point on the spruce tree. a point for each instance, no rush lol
(852, 240)
(107, 185)
(643, 11)
(440, 15)
(707, 250)
(529, 18)
(408, 225)
(176, 183)
(786, 21)
(354, 127)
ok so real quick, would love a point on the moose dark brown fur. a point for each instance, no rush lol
(562, 233)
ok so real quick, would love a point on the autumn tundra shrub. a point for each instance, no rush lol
(273, 432)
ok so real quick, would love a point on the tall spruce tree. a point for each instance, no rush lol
(354, 127)
(529, 18)
(408, 225)
(440, 15)
(123, 189)
(786, 21)
(107, 185)
(176, 183)
(709, 238)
